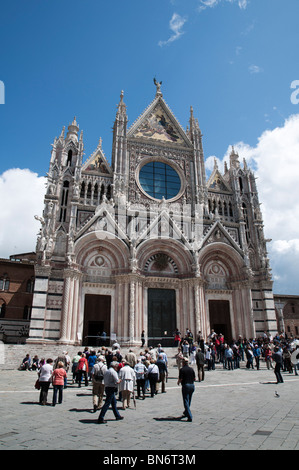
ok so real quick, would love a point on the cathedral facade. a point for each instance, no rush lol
(148, 242)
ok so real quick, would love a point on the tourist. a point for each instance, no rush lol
(268, 357)
(179, 358)
(153, 376)
(58, 378)
(287, 364)
(131, 358)
(142, 338)
(44, 377)
(200, 362)
(277, 358)
(257, 354)
(185, 348)
(91, 362)
(75, 361)
(193, 354)
(98, 386)
(140, 371)
(295, 359)
(208, 357)
(228, 356)
(186, 379)
(35, 363)
(236, 355)
(127, 383)
(177, 338)
(111, 381)
(62, 358)
(249, 356)
(163, 356)
(26, 363)
(162, 366)
(82, 369)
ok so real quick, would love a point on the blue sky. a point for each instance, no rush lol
(232, 60)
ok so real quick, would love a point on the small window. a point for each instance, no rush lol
(2, 309)
(4, 283)
(26, 313)
(69, 158)
(30, 285)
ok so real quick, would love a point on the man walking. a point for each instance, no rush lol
(111, 380)
(98, 386)
(162, 373)
(200, 362)
(187, 379)
(277, 358)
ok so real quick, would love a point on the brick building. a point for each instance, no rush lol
(16, 295)
(287, 314)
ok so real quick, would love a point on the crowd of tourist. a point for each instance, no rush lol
(130, 376)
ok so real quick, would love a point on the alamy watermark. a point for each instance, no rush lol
(2, 92)
(295, 94)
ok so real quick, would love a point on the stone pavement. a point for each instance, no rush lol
(232, 410)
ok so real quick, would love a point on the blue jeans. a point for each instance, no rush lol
(57, 389)
(187, 392)
(110, 400)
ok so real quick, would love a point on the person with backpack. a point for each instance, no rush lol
(98, 386)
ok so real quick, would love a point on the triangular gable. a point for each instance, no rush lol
(218, 234)
(97, 162)
(103, 221)
(158, 123)
(163, 227)
(217, 183)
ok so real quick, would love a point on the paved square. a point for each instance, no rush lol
(232, 410)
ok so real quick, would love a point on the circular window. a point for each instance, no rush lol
(159, 180)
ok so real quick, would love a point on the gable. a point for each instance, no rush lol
(159, 124)
(97, 163)
(217, 233)
(217, 183)
(163, 227)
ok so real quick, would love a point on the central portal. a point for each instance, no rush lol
(96, 330)
(161, 316)
(220, 318)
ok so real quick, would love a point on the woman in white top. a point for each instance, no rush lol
(45, 375)
(126, 387)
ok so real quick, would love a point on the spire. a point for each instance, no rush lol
(194, 131)
(121, 109)
(61, 137)
(234, 158)
(73, 131)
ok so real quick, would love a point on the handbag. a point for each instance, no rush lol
(37, 384)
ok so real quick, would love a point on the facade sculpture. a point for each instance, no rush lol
(147, 242)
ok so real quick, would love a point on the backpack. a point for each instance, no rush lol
(98, 373)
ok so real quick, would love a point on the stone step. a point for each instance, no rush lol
(11, 355)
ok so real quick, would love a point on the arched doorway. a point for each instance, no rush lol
(161, 316)
(219, 313)
(97, 312)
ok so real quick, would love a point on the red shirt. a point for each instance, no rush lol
(58, 376)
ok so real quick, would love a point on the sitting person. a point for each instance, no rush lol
(26, 363)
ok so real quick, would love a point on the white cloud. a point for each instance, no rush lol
(204, 4)
(21, 193)
(275, 161)
(176, 23)
(253, 69)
